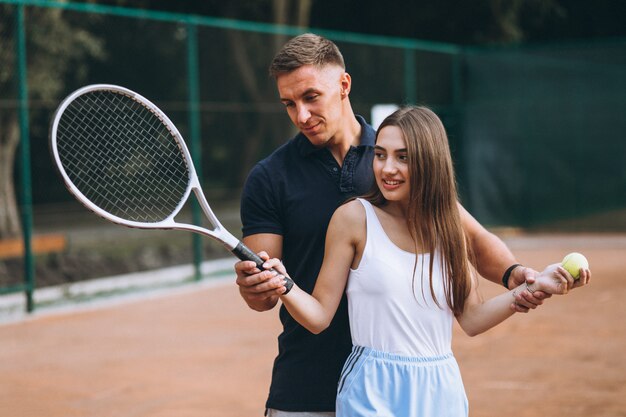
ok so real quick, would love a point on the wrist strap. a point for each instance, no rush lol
(288, 285)
(507, 274)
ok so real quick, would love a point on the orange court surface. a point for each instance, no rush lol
(202, 352)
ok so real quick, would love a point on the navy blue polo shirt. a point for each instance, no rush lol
(294, 193)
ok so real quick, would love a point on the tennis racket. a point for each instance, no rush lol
(124, 160)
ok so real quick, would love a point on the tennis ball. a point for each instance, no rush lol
(573, 262)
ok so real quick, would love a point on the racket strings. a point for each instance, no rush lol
(122, 156)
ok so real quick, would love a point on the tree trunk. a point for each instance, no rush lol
(304, 13)
(9, 217)
(284, 12)
(506, 17)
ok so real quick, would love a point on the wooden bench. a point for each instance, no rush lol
(41, 244)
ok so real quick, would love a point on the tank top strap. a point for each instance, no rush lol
(374, 227)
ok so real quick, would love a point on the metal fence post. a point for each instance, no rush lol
(193, 87)
(26, 208)
(410, 72)
(457, 129)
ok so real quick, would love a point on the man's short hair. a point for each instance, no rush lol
(305, 49)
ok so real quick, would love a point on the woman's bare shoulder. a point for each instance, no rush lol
(350, 218)
(352, 211)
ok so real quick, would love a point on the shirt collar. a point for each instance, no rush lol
(368, 138)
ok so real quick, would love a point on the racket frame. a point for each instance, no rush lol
(218, 232)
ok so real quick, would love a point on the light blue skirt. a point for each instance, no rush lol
(380, 384)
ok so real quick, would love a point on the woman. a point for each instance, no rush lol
(401, 256)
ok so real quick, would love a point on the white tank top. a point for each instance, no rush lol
(389, 310)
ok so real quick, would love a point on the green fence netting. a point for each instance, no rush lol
(537, 132)
(544, 132)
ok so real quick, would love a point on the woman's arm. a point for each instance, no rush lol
(346, 232)
(480, 316)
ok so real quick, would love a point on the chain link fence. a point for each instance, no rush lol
(537, 132)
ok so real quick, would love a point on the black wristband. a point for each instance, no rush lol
(507, 274)
(288, 285)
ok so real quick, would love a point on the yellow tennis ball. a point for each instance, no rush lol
(573, 262)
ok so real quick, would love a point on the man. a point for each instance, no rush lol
(287, 202)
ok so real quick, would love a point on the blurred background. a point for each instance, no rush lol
(532, 94)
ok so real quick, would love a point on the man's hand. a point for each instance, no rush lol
(259, 289)
(561, 282)
(525, 300)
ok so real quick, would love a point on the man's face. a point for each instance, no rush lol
(313, 99)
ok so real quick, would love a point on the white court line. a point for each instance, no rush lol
(116, 290)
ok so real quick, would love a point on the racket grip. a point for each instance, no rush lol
(244, 253)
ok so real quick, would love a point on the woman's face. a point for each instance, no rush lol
(391, 167)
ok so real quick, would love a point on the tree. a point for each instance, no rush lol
(254, 77)
(61, 47)
(56, 49)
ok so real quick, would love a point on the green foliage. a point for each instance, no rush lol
(57, 49)
(462, 22)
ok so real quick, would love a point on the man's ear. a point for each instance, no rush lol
(346, 84)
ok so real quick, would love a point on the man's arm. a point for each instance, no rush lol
(260, 289)
(492, 256)
(492, 259)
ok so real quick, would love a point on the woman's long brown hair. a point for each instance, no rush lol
(433, 217)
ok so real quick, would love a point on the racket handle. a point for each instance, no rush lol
(244, 253)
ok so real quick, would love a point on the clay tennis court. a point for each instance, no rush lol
(201, 352)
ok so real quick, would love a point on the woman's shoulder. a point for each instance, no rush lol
(350, 214)
(352, 208)
(349, 224)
